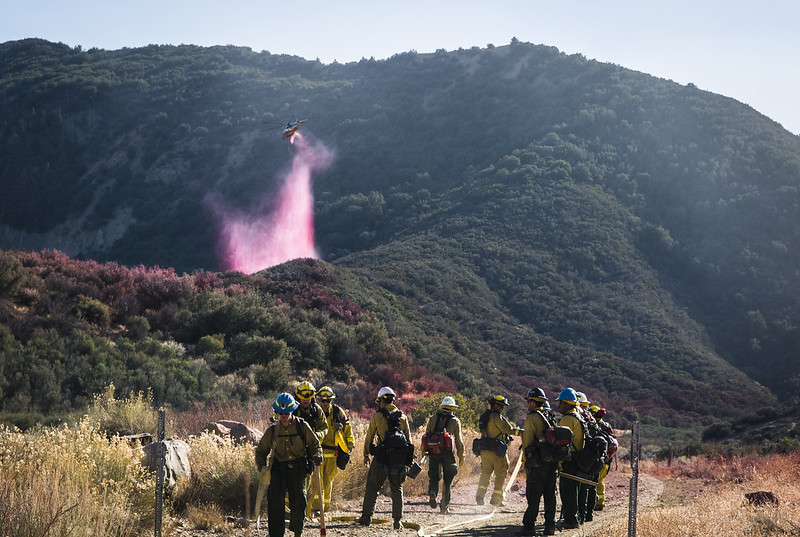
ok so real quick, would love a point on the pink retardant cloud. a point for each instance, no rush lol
(250, 242)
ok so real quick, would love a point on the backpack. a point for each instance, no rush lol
(553, 446)
(395, 450)
(439, 440)
(479, 444)
(611, 437)
(487, 443)
(591, 459)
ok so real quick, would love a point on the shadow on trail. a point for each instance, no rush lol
(485, 531)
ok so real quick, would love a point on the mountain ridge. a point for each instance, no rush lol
(607, 221)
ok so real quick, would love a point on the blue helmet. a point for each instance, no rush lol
(284, 404)
(568, 395)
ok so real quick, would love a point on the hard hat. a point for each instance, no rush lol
(326, 393)
(594, 408)
(385, 393)
(536, 394)
(498, 399)
(546, 405)
(568, 395)
(599, 413)
(448, 403)
(284, 404)
(582, 399)
(305, 390)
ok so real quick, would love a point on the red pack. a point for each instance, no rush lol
(437, 442)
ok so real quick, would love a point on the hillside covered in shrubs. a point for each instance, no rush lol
(493, 218)
(71, 328)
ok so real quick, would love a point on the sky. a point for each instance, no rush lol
(742, 49)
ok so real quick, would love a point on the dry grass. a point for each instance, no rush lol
(76, 481)
(71, 481)
(221, 472)
(207, 517)
(722, 511)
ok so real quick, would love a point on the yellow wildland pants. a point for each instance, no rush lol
(492, 464)
(601, 487)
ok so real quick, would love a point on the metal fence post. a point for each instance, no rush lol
(634, 488)
(160, 473)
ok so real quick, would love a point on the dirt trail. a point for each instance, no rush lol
(466, 518)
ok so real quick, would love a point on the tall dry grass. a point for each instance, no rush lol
(721, 510)
(224, 474)
(71, 481)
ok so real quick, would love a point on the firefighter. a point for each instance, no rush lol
(292, 443)
(380, 471)
(496, 433)
(540, 482)
(311, 412)
(442, 461)
(337, 444)
(570, 489)
(588, 493)
(599, 414)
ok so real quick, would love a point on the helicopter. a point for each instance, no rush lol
(291, 128)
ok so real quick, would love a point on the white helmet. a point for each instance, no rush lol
(448, 403)
(385, 392)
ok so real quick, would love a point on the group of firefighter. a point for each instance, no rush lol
(312, 434)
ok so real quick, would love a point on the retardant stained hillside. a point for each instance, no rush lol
(545, 215)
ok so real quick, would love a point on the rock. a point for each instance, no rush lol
(217, 428)
(176, 459)
(141, 439)
(240, 432)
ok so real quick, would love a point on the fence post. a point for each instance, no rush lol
(634, 488)
(160, 473)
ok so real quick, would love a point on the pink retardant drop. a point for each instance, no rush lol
(252, 242)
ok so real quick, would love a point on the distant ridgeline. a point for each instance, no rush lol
(508, 217)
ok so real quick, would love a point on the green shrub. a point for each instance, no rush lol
(91, 310)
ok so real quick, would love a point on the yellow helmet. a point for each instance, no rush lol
(326, 393)
(305, 390)
(498, 399)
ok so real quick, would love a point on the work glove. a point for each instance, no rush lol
(318, 460)
(338, 426)
(366, 461)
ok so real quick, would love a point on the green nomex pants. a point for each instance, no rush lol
(287, 477)
(376, 476)
(444, 464)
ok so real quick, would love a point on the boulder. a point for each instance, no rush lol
(176, 459)
(240, 432)
(243, 434)
(216, 427)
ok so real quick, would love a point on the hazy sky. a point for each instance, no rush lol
(742, 49)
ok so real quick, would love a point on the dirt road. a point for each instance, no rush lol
(466, 518)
